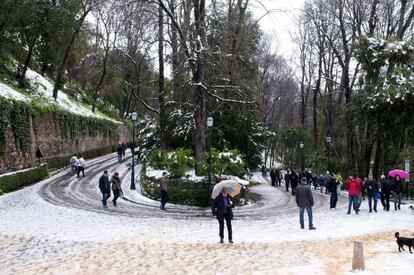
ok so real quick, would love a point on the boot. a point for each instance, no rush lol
(221, 240)
(230, 241)
(311, 227)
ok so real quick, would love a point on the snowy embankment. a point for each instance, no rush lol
(37, 236)
(42, 94)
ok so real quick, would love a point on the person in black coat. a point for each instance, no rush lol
(294, 181)
(372, 190)
(222, 209)
(397, 192)
(105, 187)
(386, 189)
(273, 176)
(332, 187)
(287, 180)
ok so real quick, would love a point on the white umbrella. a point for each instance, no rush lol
(233, 186)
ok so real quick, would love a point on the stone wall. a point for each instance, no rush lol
(48, 138)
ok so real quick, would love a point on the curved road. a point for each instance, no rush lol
(83, 193)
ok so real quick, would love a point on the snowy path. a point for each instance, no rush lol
(59, 226)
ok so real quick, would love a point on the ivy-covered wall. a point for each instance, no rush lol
(24, 128)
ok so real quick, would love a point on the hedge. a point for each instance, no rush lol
(180, 191)
(63, 161)
(19, 180)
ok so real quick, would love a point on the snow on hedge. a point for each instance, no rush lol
(43, 89)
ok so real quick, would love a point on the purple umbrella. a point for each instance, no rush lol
(403, 174)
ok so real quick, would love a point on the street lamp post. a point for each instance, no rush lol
(210, 121)
(329, 140)
(133, 118)
(302, 157)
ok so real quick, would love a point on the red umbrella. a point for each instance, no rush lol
(403, 174)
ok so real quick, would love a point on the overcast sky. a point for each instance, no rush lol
(279, 21)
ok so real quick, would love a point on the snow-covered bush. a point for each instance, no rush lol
(226, 162)
(177, 162)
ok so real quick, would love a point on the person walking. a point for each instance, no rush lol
(124, 147)
(332, 187)
(73, 165)
(273, 176)
(372, 190)
(116, 187)
(105, 188)
(354, 186)
(321, 182)
(386, 189)
(264, 171)
(294, 182)
(165, 197)
(222, 209)
(287, 180)
(304, 200)
(398, 189)
(315, 181)
(120, 152)
(81, 166)
(278, 178)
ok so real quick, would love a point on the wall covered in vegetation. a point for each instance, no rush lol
(57, 133)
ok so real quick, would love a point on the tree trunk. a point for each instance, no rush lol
(161, 88)
(22, 75)
(200, 112)
(61, 68)
(174, 52)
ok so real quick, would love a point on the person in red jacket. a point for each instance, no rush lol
(354, 187)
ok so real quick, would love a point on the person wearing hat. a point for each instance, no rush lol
(304, 200)
(222, 209)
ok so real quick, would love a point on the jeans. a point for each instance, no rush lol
(105, 197)
(334, 199)
(119, 157)
(370, 198)
(353, 200)
(164, 198)
(81, 169)
(228, 224)
(116, 196)
(397, 200)
(385, 200)
(310, 216)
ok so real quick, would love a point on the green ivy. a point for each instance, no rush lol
(4, 118)
(71, 126)
(20, 122)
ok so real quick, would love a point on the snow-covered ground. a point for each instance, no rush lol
(59, 227)
(43, 89)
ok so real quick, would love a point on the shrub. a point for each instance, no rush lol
(177, 162)
(18, 180)
(227, 162)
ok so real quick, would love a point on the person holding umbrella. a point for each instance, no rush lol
(222, 210)
(397, 192)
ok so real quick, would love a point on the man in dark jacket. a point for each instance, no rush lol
(287, 180)
(386, 189)
(222, 209)
(372, 190)
(120, 152)
(304, 200)
(332, 187)
(273, 176)
(105, 187)
(294, 181)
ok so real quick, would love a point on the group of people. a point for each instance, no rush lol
(78, 165)
(120, 150)
(391, 186)
(107, 185)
